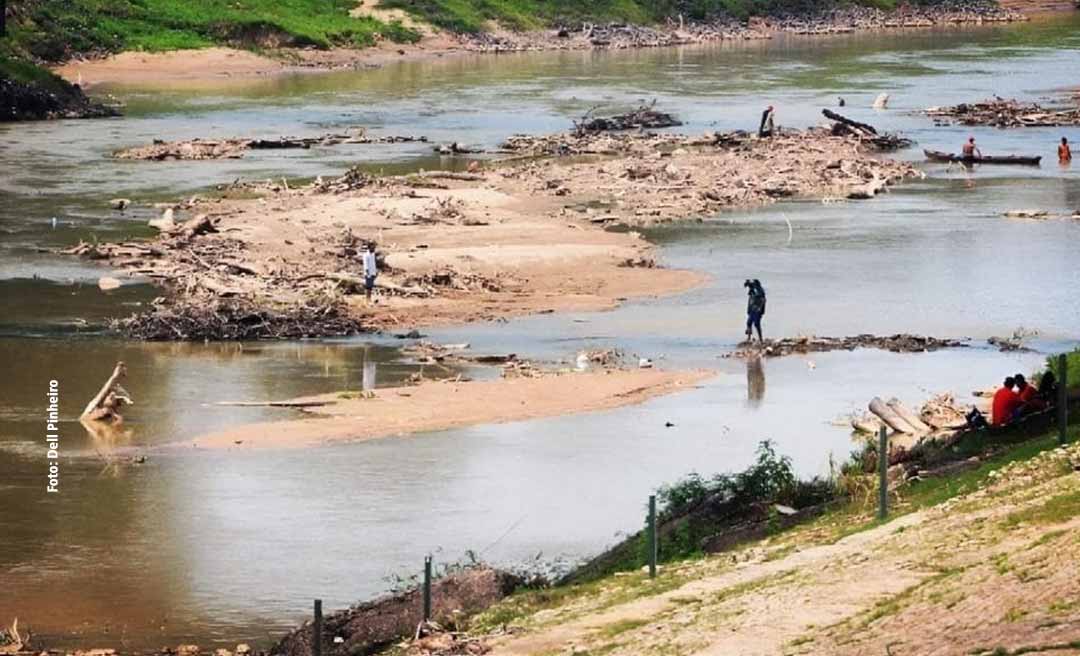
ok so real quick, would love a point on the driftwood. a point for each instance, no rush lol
(900, 343)
(11, 642)
(863, 127)
(642, 117)
(844, 126)
(106, 404)
(202, 149)
(890, 417)
(1001, 113)
(910, 417)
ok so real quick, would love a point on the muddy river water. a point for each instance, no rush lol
(221, 547)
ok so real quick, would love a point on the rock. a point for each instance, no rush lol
(243, 649)
(1027, 214)
(106, 283)
(119, 203)
(165, 223)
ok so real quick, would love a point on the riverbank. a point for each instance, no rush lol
(977, 556)
(433, 31)
(524, 235)
(441, 405)
(29, 93)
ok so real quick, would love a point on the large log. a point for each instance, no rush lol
(891, 419)
(863, 127)
(910, 417)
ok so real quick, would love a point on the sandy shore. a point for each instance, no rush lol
(433, 406)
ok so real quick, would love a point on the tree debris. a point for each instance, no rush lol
(643, 117)
(1001, 113)
(899, 343)
(203, 149)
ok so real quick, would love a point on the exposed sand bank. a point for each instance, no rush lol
(510, 239)
(433, 406)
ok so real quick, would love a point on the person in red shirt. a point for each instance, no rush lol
(1033, 401)
(1006, 403)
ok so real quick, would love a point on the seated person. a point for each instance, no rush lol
(1048, 388)
(1006, 403)
(1033, 401)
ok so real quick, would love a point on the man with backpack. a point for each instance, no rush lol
(755, 308)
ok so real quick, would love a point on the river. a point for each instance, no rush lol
(218, 547)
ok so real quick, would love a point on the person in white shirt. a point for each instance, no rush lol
(371, 269)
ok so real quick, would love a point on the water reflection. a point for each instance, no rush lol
(755, 381)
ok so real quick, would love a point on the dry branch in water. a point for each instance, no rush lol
(106, 404)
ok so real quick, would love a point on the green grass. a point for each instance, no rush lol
(1055, 510)
(475, 15)
(54, 30)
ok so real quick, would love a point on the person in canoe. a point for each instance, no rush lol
(1064, 152)
(970, 150)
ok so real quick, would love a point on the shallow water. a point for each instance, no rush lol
(215, 547)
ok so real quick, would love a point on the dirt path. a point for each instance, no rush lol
(433, 406)
(995, 569)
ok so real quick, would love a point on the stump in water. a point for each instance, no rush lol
(106, 404)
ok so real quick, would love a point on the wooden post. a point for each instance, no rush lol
(883, 473)
(1063, 399)
(427, 588)
(653, 538)
(316, 630)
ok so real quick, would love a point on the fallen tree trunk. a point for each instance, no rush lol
(890, 417)
(910, 417)
(863, 127)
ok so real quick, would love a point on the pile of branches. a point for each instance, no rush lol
(198, 149)
(238, 319)
(899, 343)
(1001, 113)
(643, 117)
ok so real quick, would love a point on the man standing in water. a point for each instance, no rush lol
(767, 126)
(755, 308)
(1064, 152)
(371, 269)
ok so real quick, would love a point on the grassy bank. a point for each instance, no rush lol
(1003, 517)
(473, 15)
(53, 31)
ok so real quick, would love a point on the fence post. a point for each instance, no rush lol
(653, 539)
(1063, 398)
(427, 588)
(883, 473)
(316, 630)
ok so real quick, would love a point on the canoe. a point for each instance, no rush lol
(938, 156)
